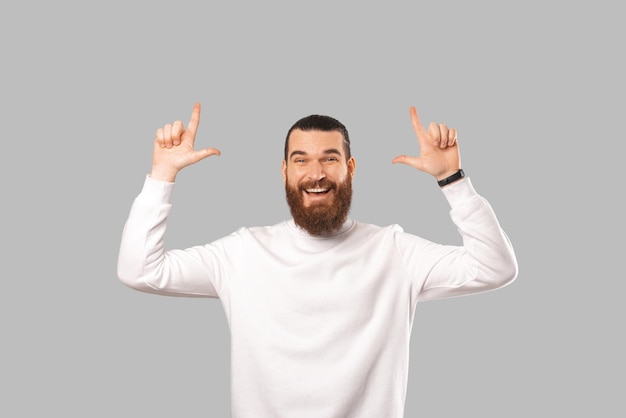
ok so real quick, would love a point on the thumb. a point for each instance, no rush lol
(415, 162)
(201, 154)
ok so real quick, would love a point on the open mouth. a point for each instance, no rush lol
(317, 191)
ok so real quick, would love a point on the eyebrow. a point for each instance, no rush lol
(326, 152)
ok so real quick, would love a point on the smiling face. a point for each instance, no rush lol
(318, 180)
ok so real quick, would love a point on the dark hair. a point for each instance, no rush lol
(320, 123)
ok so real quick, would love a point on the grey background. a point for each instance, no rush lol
(536, 90)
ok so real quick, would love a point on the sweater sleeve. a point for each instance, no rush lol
(145, 265)
(485, 261)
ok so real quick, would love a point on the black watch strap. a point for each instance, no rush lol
(456, 176)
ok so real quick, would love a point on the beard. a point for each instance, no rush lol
(320, 218)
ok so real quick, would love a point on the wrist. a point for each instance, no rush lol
(450, 178)
(163, 174)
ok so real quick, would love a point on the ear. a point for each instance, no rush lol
(351, 167)
(284, 170)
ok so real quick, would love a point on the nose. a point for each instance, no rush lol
(316, 171)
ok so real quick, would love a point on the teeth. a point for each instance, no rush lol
(316, 190)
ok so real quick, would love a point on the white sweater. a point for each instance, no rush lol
(320, 327)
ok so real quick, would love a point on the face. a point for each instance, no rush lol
(318, 180)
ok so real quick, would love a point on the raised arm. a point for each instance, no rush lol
(486, 260)
(143, 263)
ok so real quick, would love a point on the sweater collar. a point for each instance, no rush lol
(347, 226)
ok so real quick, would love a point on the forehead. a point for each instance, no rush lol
(315, 141)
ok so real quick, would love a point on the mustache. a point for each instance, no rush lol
(322, 184)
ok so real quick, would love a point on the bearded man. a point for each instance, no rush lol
(318, 174)
(320, 307)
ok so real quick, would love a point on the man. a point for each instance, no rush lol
(320, 307)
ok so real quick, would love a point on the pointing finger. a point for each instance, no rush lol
(417, 125)
(192, 126)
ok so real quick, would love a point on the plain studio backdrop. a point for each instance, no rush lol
(535, 89)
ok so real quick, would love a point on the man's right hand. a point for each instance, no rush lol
(174, 148)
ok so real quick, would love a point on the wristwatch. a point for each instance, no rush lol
(456, 176)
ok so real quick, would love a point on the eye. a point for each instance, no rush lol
(332, 159)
